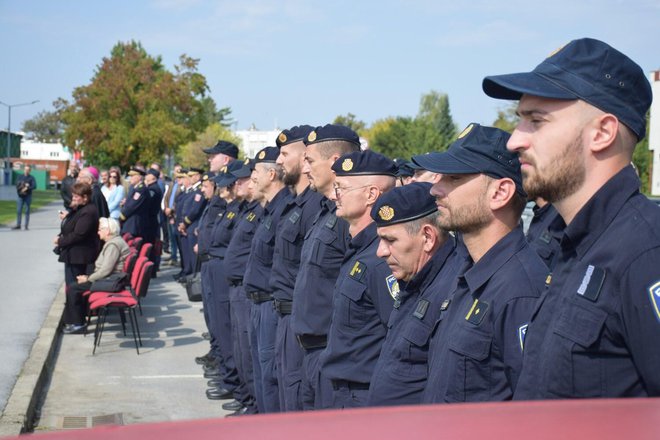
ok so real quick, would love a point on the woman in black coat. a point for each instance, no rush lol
(78, 242)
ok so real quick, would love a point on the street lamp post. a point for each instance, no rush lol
(8, 151)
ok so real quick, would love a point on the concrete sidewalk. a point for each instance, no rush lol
(43, 369)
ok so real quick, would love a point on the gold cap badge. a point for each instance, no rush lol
(465, 131)
(281, 138)
(263, 154)
(386, 213)
(312, 137)
(347, 165)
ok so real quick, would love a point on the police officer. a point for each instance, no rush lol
(298, 218)
(324, 247)
(476, 349)
(192, 209)
(155, 198)
(135, 212)
(236, 259)
(424, 259)
(221, 155)
(583, 109)
(362, 300)
(179, 202)
(267, 179)
(545, 231)
(218, 303)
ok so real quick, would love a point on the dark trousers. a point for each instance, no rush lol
(220, 323)
(71, 271)
(20, 203)
(240, 316)
(75, 307)
(263, 328)
(289, 357)
(313, 386)
(346, 397)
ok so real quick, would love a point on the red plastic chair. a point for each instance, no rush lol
(122, 302)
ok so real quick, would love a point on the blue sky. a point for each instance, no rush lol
(282, 63)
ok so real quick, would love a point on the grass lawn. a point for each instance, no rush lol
(39, 199)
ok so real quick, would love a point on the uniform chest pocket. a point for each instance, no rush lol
(290, 248)
(355, 312)
(265, 240)
(323, 246)
(468, 367)
(576, 370)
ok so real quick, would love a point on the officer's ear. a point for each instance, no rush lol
(430, 235)
(373, 192)
(499, 192)
(602, 132)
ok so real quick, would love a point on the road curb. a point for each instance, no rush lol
(20, 411)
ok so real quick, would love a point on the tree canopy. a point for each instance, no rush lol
(192, 154)
(134, 109)
(46, 126)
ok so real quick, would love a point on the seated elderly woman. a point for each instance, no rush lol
(110, 260)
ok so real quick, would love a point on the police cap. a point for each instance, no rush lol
(364, 163)
(223, 147)
(585, 69)
(332, 132)
(293, 134)
(404, 204)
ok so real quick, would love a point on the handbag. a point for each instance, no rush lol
(194, 287)
(115, 282)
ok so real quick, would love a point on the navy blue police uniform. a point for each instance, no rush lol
(134, 214)
(236, 258)
(323, 250)
(401, 372)
(193, 207)
(544, 233)
(297, 219)
(593, 332)
(155, 198)
(362, 302)
(179, 203)
(477, 345)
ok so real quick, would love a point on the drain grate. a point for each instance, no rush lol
(81, 422)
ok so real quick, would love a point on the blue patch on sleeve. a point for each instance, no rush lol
(654, 294)
(522, 332)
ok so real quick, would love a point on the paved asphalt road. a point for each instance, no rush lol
(30, 277)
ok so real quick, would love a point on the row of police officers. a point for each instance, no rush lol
(327, 285)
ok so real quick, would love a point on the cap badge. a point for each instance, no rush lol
(263, 153)
(465, 131)
(281, 138)
(312, 137)
(386, 213)
(347, 165)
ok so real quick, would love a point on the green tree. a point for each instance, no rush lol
(192, 154)
(134, 109)
(46, 126)
(350, 120)
(433, 129)
(643, 160)
(507, 119)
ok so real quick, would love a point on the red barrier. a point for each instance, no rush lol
(605, 419)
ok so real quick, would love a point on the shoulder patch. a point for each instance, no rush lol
(477, 312)
(357, 271)
(522, 332)
(268, 222)
(294, 217)
(198, 197)
(393, 287)
(332, 221)
(231, 215)
(136, 195)
(250, 217)
(654, 295)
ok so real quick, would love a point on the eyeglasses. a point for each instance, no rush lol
(339, 191)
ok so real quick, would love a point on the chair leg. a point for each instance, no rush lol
(133, 324)
(137, 326)
(122, 317)
(98, 331)
(140, 307)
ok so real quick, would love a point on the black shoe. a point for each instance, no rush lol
(74, 329)
(17, 227)
(215, 374)
(26, 228)
(215, 383)
(204, 360)
(210, 366)
(234, 405)
(218, 394)
(241, 412)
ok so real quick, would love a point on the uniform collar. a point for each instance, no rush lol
(365, 237)
(281, 196)
(432, 267)
(496, 257)
(597, 214)
(304, 196)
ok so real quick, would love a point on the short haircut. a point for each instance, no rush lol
(82, 189)
(110, 224)
(433, 219)
(279, 171)
(328, 148)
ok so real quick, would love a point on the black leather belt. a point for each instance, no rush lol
(260, 297)
(283, 307)
(204, 258)
(337, 384)
(310, 342)
(235, 283)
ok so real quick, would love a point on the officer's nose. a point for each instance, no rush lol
(518, 141)
(382, 251)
